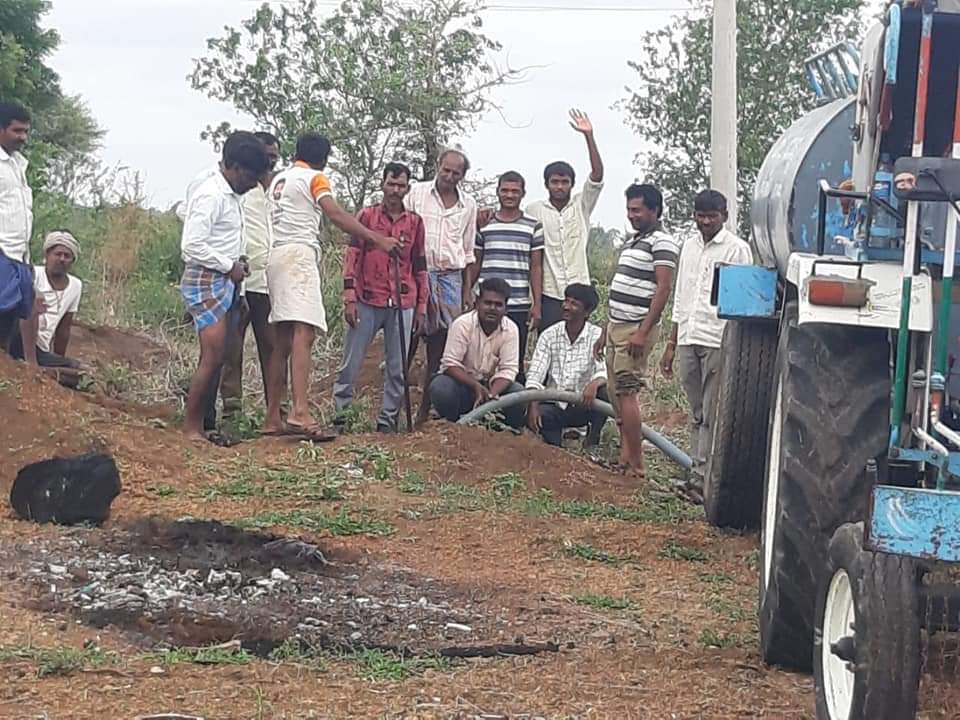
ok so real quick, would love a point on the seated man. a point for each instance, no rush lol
(45, 334)
(480, 359)
(564, 360)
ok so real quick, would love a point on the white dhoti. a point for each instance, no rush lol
(293, 281)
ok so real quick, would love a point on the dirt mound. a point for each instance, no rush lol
(104, 346)
(474, 455)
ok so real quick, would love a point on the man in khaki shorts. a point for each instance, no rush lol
(639, 292)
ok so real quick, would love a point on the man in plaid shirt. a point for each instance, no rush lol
(564, 360)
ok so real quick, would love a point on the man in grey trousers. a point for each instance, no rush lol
(372, 299)
(697, 331)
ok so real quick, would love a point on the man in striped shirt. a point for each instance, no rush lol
(510, 247)
(639, 292)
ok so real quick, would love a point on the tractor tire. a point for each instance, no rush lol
(829, 416)
(733, 484)
(866, 661)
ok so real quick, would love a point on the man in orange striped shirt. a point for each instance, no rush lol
(298, 197)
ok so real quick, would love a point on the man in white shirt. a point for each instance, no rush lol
(16, 197)
(566, 224)
(211, 249)
(16, 220)
(697, 331)
(44, 337)
(450, 223)
(254, 310)
(564, 360)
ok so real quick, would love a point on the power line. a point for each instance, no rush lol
(526, 8)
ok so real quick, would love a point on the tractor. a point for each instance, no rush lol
(837, 427)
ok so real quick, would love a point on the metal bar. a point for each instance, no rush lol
(910, 244)
(403, 342)
(949, 252)
(822, 217)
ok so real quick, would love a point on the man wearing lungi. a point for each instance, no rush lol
(210, 248)
(298, 197)
(450, 220)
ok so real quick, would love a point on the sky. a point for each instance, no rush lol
(129, 60)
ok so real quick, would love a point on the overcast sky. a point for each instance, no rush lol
(129, 60)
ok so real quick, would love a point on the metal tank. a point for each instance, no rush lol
(816, 147)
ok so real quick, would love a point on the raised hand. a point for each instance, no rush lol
(580, 122)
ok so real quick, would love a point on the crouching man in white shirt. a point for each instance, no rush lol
(44, 337)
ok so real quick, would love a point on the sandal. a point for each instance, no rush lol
(313, 433)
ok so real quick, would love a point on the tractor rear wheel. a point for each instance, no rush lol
(733, 484)
(866, 661)
(829, 416)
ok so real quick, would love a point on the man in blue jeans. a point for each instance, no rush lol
(481, 358)
(371, 294)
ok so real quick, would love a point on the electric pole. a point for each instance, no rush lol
(723, 115)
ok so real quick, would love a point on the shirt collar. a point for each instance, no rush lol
(639, 235)
(383, 212)
(718, 239)
(16, 157)
(436, 194)
(223, 184)
(478, 326)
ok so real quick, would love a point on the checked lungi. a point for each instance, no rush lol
(208, 294)
(445, 303)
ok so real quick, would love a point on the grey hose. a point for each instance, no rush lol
(526, 397)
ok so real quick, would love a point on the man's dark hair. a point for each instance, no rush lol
(395, 169)
(561, 168)
(497, 286)
(454, 151)
(267, 138)
(650, 194)
(584, 294)
(313, 149)
(710, 201)
(244, 150)
(512, 176)
(10, 111)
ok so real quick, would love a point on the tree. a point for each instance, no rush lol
(383, 79)
(65, 135)
(670, 104)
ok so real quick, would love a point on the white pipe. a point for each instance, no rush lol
(949, 434)
(931, 441)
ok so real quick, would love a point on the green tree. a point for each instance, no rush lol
(384, 79)
(669, 106)
(65, 133)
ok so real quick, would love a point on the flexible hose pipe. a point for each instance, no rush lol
(526, 397)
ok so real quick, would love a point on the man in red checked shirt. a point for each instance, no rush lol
(370, 295)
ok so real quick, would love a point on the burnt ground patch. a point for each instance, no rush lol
(193, 583)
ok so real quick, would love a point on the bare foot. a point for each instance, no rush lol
(194, 436)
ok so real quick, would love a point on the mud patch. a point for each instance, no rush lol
(194, 583)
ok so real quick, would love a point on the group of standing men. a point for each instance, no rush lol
(410, 269)
(251, 249)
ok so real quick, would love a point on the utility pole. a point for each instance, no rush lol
(723, 116)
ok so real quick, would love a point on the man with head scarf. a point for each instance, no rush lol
(44, 336)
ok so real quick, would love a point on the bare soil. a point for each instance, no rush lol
(596, 598)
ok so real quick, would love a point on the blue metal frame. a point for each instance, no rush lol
(745, 292)
(915, 522)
